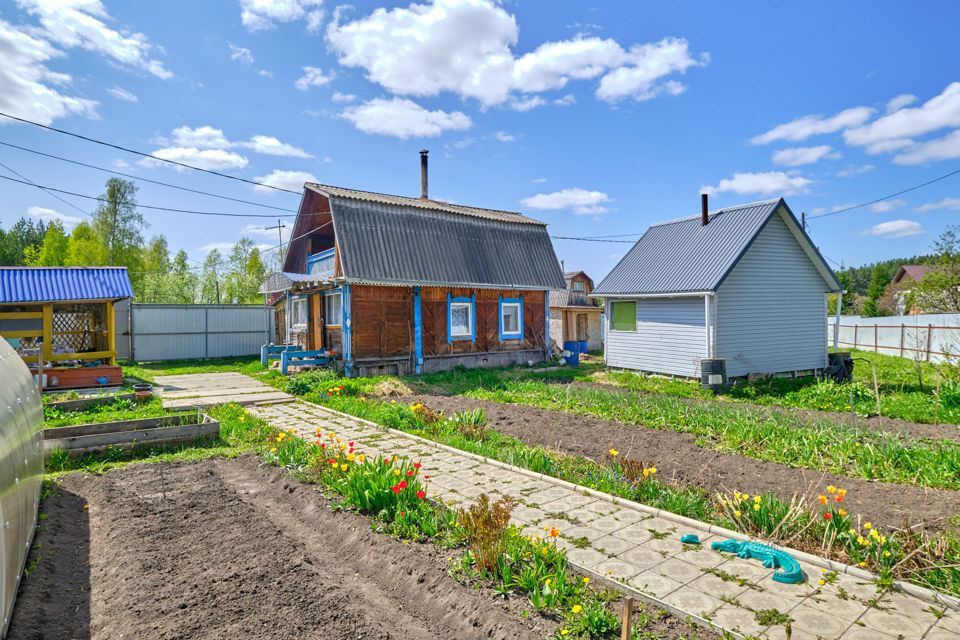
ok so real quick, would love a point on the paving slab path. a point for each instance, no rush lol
(208, 389)
(640, 548)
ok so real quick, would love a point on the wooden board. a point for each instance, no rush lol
(128, 433)
(241, 399)
(85, 403)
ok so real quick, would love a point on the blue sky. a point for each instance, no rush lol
(597, 118)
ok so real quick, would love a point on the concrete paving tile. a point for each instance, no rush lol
(941, 634)
(693, 601)
(612, 545)
(736, 619)
(828, 602)
(701, 557)
(582, 531)
(636, 533)
(548, 495)
(600, 507)
(668, 546)
(895, 623)
(584, 515)
(818, 622)
(780, 633)
(717, 587)
(654, 584)
(909, 606)
(861, 633)
(608, 524)
(529, 514)
(588, 558)
(628, 516)
(617, 569)
(950, 621)
(642, 557)
(549, 523)
(678, 570)
(751, 570)
(760, 600)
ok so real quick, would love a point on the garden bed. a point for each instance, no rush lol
(172, 429)
(681, 461)
(232, 549)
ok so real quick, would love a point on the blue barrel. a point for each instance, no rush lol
(583, 346)
(571, 352)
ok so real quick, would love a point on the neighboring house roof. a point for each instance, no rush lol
(63, 284)
(282, 281)
(422, 203)
(914, 272)
(568, 298)
(570, 275)
(684, 256)
(387, 239)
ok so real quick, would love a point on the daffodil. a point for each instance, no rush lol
(736, 514)
(756, 507)
(756, 498)
(867, 526)
(886, 554)
(576, 608)
(614, 453)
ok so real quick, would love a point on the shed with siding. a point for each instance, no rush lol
(744, 283)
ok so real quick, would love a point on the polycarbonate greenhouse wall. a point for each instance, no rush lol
(21, 471)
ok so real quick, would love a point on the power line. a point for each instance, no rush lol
(66, 202)
(597, 239)
(142, 179)
(147, 206)
(144, 154)
(892, 195)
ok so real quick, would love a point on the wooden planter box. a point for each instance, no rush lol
(81, 377)
(173, 429)
(82, 404)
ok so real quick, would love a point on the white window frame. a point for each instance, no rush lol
(331, 322)
(469, 333)
(298, 305)
(518, 333)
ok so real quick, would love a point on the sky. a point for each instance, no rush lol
(597, 118)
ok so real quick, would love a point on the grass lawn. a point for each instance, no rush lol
(149, 370)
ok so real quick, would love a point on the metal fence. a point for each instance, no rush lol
(148, 332)
(928, 338)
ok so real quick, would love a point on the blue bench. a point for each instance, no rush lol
(318, 358)
(272, 351)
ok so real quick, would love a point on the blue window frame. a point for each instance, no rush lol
(321, 264)
(510, 314)
(461, 318)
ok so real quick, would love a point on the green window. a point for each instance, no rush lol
(623, 315)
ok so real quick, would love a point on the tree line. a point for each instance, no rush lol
(114, 236)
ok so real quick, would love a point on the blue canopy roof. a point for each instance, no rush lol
(63, 284)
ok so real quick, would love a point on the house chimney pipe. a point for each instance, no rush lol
(423, 173)
(704, 208)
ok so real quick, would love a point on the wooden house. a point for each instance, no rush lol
(61, 319)
(394, 284)
(574, 316)
(743, 284)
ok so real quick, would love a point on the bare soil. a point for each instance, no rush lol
(681, 462)
(230, 549)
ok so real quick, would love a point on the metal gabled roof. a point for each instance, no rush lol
(284, 280)
(400, 243)
(684, 256)
(422, 203)
(63, 284)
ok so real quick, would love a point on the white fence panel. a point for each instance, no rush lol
(924, 337)
(183, 332)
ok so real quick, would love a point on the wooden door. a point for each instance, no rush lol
(582, 326)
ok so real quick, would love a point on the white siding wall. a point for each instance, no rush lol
(670, 337)
(771, 309)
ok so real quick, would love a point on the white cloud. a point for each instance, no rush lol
(213, 159)
(855, 170)
(817, 211)
(895, 229)
(465, 47)
(526, 103)
(260, 15)
(312, 77)
(49, 215)
(292, 180)
(770, 182)
(797, 156)
(464, 143)
(579, 200)
(647, 65)
(899, 102)
(887, 205)
(936, 113)
(811, 125)
(566, 100)
(945, 148)
(503, 136)
(205, 137)
(263, 73)
(240, 54)
(538, 180)
(27, 87)
(950, 204)
(343, 97)
(122, 94)
(81, 23)
(221, 247)
(268, 145)
(403, 118)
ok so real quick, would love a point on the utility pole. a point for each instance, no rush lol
(280, 227)
(803, 220)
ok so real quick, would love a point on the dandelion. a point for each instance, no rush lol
(547, 582)
(862, 564)
(614, 453)
(273, 449)
(586, 581)
(576, 609)
(821, 582)
(564, 632)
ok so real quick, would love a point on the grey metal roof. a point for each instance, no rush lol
(683, 256)
(421, 203)
(404, 243)
(284, 280)
(569, 298)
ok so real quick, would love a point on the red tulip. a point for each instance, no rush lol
(410, 473)
(421, 494)
(417, 465)
(395, 488)
(403, 484)
(827, 516)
